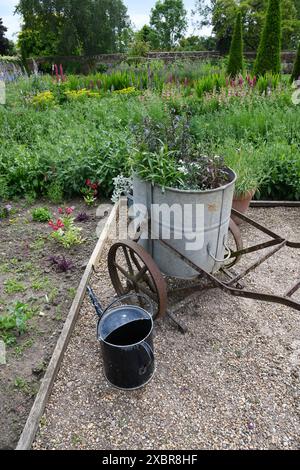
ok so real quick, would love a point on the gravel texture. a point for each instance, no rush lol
(232, 382)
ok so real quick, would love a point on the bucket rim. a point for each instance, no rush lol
(124, 346)
(231, 172)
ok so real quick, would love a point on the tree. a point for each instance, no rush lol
(72, 27)
(297, 5)
(268, 56)
(4, 42)
(221, 14)
(235, 64)
(296, 69)
(149, 35)
(107, 20)
(197, 43)
(168, 19)
(223, 18)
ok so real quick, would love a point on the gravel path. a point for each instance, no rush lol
(232, 382)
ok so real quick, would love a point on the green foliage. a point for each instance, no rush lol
(55, 192)
(209, 84)
(246, 161)
(13, 286)
(268, 82)
(5, 211)
(19, 350)
(268, 56)
(4, 42)
(168, 19)
(72, 27)
(139, 48)
(41, 214)
(53, 151)
(296, 69)
(197, 43)
(258, 137)
(15, 322)
(221, 14)
(283, 176)
(25, 386)
(68, 238)
(148, 35)
(68, 234)
(235, 64)
(158, 167)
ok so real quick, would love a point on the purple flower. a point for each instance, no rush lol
(62, 264)
(82, 217)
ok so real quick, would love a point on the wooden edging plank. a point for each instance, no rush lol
(275, 204)
(37, 410)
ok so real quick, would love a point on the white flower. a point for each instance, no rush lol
(122, 187)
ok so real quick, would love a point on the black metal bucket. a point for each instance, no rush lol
(126, 337)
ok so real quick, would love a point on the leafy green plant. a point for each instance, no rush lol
(158, 167)
(209, 84)
(65, 232)
(41, 214)
(5, 211)
(40, 283)
(29, 388)
(68, 238)
(12, 286)
(15, 321)
(268, 82)
(55, 193)
(248, 164)
(19, 350)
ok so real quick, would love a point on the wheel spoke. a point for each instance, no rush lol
(123, 271)
(135, 260)
(135, 285)
(149, 281)
(127, 260)
(146, 291)
(141, 274)
(132, 269)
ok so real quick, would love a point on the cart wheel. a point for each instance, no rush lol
(132, 269)
(237, 240)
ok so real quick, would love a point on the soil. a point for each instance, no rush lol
(27, 276)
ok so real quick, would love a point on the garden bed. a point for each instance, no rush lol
(33, 289)
(232, 382)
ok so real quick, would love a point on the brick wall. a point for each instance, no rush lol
(90, 61)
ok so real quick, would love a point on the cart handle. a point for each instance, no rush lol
(220, 260)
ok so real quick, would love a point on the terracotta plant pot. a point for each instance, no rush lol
(242, 204)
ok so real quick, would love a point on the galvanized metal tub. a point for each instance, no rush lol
(213, 207)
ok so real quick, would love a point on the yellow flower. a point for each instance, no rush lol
(125, 91)
(44, 99)
(83, 93)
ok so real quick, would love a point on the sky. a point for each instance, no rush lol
(139, 12)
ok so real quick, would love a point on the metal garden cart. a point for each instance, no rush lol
(132, 269)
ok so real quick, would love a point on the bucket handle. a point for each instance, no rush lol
(150, 354)
(127, 296)
(99, 310)
(227, 257)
